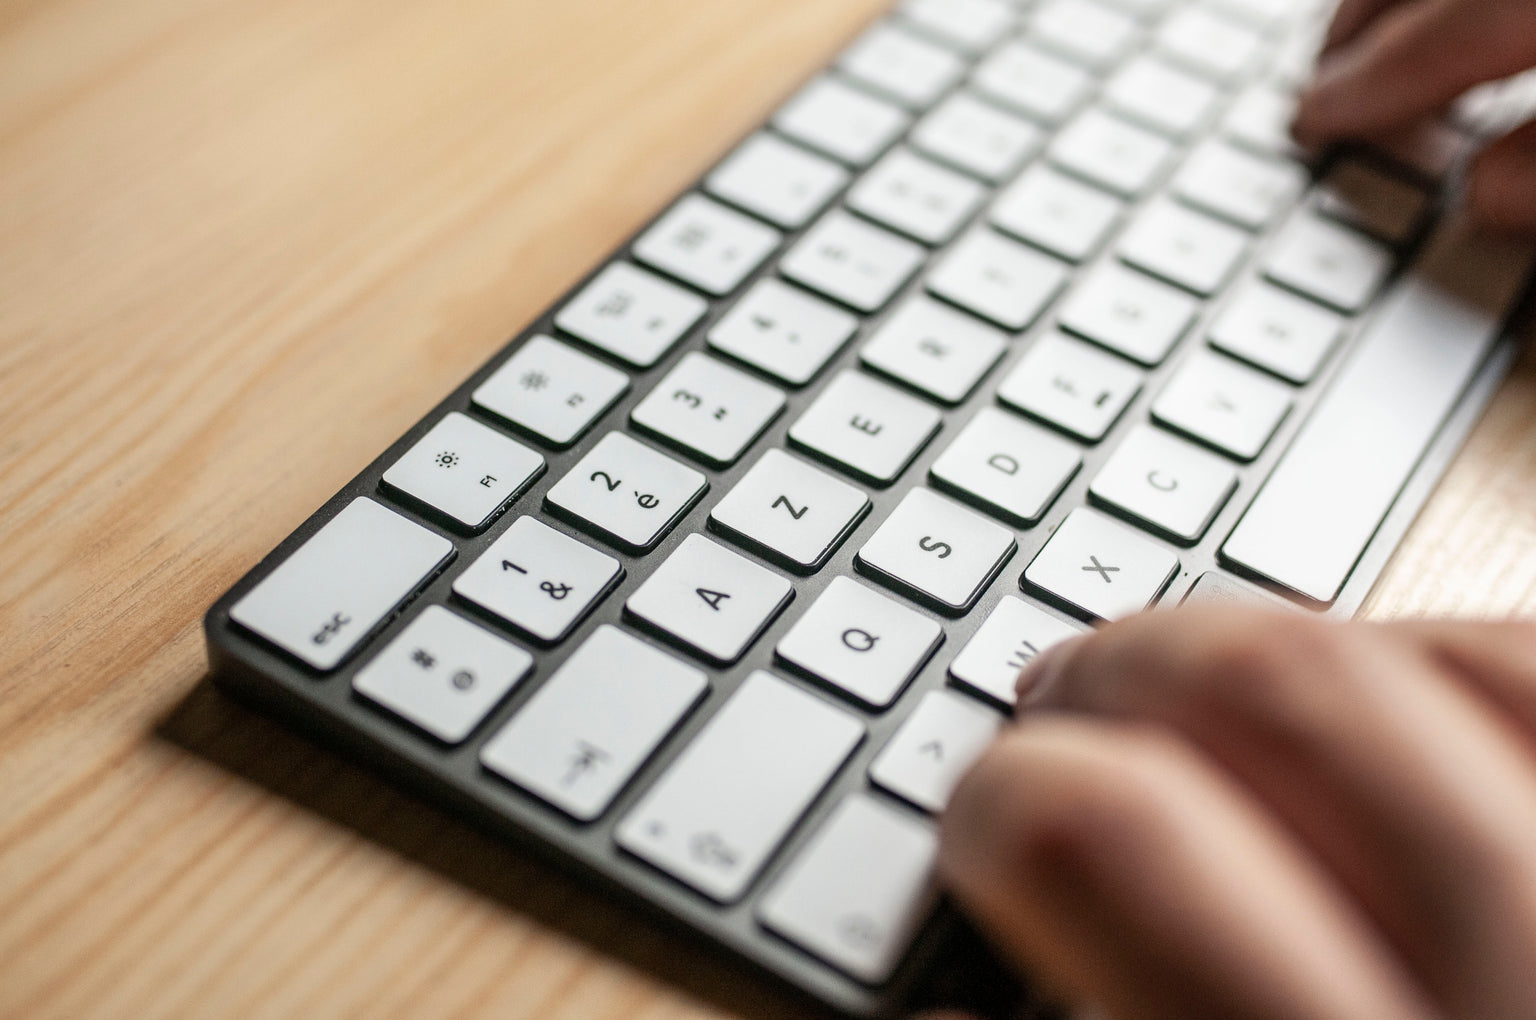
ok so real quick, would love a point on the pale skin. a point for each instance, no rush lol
(1234, 813)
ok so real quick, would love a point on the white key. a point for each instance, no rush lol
(971, 26)
(1183, 247)
(841, 121)
(1220, 402)
(977, 137)
(776, 180)
(1265, 12)
(464, 470)
(790, 512)
(916, 197)
(1163, 98)
(940, 740)
(631, 314)
(1296, 58)
(587, 731)
(1035, 83)
(1277, 331)
(1109, 152)
(443, 674)
(731, 797)
(714, 601)
(626, 492)
(1066, 383)
(869, 428)
(1374, 201)
(783, 331)
(345, 580)
(898, 64)
(934, 348)
(1085, 31)
(859, 890)
(1101, 568)
(1164, 482)
(1208, 43)
(1329, 262)
(552, 391)
(1237, 186)
(1056, 213)
(709, 408)
(938, 552)
(703, 243)
(1125, 311)
(1011, 638)
(1260, 120)
(539, 580)
(850, 261)
(998, 279)
(862, 642)
(1010, 468)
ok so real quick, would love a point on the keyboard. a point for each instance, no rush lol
(1018, 318)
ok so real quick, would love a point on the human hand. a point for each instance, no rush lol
(1235, 814)
(1388, 63)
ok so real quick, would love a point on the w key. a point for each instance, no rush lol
(937, 552)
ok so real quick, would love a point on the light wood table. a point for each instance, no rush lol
(243, 245)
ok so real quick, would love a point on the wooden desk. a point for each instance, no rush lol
(243, 245)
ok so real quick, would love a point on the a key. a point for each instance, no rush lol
(1106, 151)
(727, 802)
(1219, 402)
(703, 243)
(709, 409)
(1373, 200)
(1206, 42)
(867, 427)
(852, 262)
(464, 470)
(776, 180)
(859, 890)
(342, 583)
(1033, 82)
(1129, 313)
(976, 137)
(1006, 466)
(940, 740)
(715, 602)
(1066, 383)
(1014, 636)
(1259, 120)
(550, 390)
(971, 26)
(1101, 568)
(916, 197)
(1183, 247)
(841, 121)
(1328, 262)
(1165, 483)
(1159, 96)
(934, 348)
(1088, 32)
(998, 279)
(443, 674)
(1056, 213)
(782, 330)
(589, 728)
(937, 552)
(790, 512)
(626, 493)
(540, 581)
(902, 66)
(1237, 186)
(631, 314)
(1277, 331)
(861, 642)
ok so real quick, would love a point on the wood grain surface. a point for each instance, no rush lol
(243, 245)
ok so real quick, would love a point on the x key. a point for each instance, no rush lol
(1075, 569)
(1095, 567)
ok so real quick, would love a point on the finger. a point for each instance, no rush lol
(1416, 793)
(1502, 188)
(1122, 869)
(1412, 60)
(1351, 18)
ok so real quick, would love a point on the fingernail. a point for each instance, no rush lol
(1040, 677)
